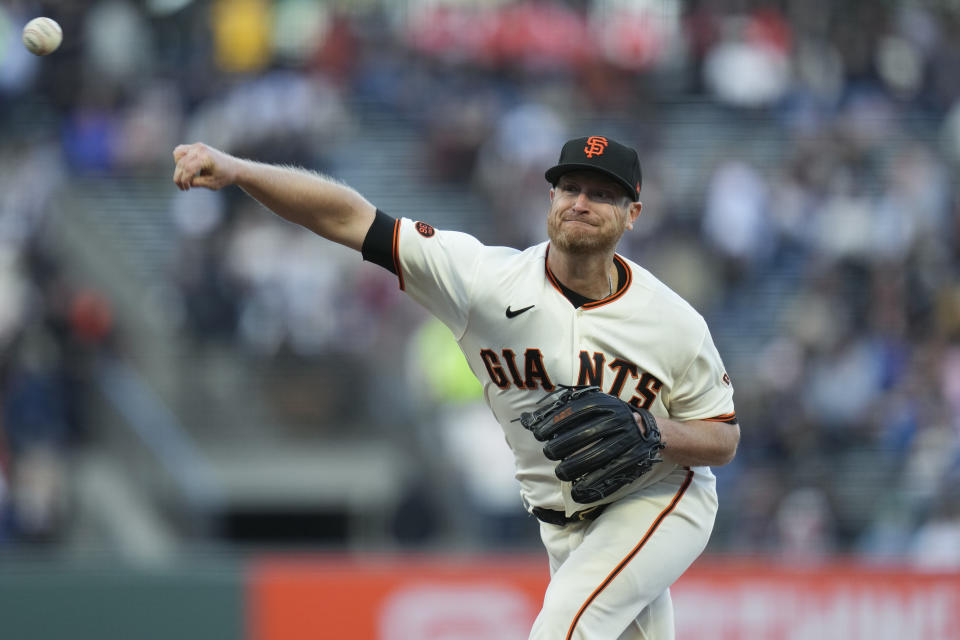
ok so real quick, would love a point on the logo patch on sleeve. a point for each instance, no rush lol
(726, 379)
(425, 230)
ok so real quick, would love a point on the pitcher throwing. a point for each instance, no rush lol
(607, 384)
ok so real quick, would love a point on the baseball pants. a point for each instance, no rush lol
(610, 577)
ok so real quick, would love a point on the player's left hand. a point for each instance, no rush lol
(600, 445)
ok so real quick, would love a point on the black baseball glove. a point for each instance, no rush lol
(596, 439)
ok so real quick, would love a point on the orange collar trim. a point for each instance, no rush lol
(622, 289)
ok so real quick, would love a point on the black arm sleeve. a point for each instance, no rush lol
(379, 247)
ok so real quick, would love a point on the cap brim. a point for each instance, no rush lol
(553, 174)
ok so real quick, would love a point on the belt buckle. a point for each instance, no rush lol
(582, 515)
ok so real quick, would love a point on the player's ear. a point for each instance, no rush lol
(552, 189)
(633, 212)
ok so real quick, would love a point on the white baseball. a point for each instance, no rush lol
(42, 36)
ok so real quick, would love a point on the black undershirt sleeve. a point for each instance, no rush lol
(378, 245)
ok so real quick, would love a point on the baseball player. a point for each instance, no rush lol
(565, 321)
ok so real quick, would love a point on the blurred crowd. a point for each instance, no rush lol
(800, 161)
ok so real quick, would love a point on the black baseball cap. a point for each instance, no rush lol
(597, 153)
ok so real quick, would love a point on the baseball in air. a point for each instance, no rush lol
(42, 36)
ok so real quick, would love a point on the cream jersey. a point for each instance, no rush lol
(522, 337)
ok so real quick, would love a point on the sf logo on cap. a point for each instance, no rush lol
(596, 145)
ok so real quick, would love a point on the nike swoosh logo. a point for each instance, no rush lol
(514, 314)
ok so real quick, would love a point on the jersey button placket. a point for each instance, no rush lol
(575, 342)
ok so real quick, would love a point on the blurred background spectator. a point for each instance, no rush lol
(799, 186)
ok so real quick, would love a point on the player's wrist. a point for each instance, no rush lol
(239, 171)
(645, 420)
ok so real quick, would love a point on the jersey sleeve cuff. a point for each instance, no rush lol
(729, 418)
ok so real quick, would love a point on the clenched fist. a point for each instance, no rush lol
(199, 165)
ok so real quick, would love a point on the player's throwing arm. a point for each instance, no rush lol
(319, 203)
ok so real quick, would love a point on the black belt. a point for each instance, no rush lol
(560, 518)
